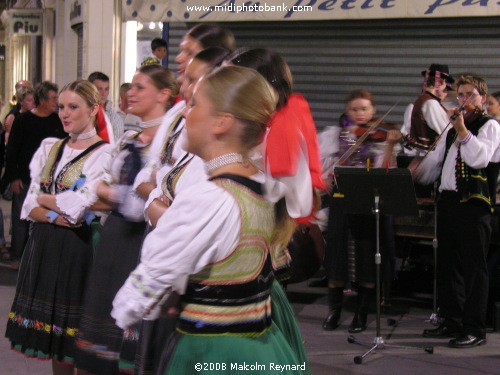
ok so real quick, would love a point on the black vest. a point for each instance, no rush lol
(477, 184)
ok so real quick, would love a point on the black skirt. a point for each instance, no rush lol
(47, 308)
(102, 347)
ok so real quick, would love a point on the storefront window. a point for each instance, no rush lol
(138, 44)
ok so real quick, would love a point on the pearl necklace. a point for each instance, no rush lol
(82, 136)
(223, 160)
(151, 123)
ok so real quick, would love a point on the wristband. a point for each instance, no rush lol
(52, 216)
(466, 139)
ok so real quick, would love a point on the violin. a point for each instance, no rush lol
(377, 133)
(471, 114)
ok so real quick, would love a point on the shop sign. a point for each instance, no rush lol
(301, 10)
(24, 22)
(76, 12)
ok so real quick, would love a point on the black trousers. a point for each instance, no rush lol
(464, 231)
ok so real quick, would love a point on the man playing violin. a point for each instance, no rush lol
(429, 117)
(466, 155)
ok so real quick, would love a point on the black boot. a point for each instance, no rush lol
(335, 296)
(358, 323)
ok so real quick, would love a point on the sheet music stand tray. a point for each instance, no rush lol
(372, 191)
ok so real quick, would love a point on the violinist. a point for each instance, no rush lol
(429, 117)
(357, 122)
(465, 157)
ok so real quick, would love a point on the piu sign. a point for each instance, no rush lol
(26, 23)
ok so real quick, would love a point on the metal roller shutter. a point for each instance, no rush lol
(329, 59)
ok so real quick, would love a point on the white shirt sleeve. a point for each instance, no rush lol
(164, 130)
(157, 192)
(329, 146)
(118, 124)
(479, 151)
(297, 189)
(405, 129)
(200, 227)
(74, 203)
(429, 168)
(435, 115)
(36, 166)
(476, 153)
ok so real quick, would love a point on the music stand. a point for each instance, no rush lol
(371, 191)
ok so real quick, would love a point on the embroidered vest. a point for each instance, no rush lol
(69, 173)
(173, 135)
(232, 296)
(170, 180)
(471, 183)
(421, 135)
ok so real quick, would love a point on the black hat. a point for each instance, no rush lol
(443, 71)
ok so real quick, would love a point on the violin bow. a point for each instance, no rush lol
(359, 142)
(434, 144)
(361, 139)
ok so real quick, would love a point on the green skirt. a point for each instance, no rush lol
(283, 317)
(268, 353)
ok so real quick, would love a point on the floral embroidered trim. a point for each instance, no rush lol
(41, 326)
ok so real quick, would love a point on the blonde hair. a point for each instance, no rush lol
(246, 95)
(86, 90)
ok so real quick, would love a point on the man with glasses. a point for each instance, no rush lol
(469, 156)
(28, 131)
(429, 117)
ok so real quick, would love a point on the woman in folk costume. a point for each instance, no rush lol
(166, 148)
(213, 245)
(291, 161)
(102, 347)
(170, 180)
(46, 312)
(291, 154)
(201, 64)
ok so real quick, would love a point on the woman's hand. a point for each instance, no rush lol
(63, 222)
(165, 200)
(171, 307)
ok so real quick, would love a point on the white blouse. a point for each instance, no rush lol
(113, 163)
(329, 146)
(476, 153)
(194, 173)
(158, 143)
(200, 227)
(297, 189)
(72, 203)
